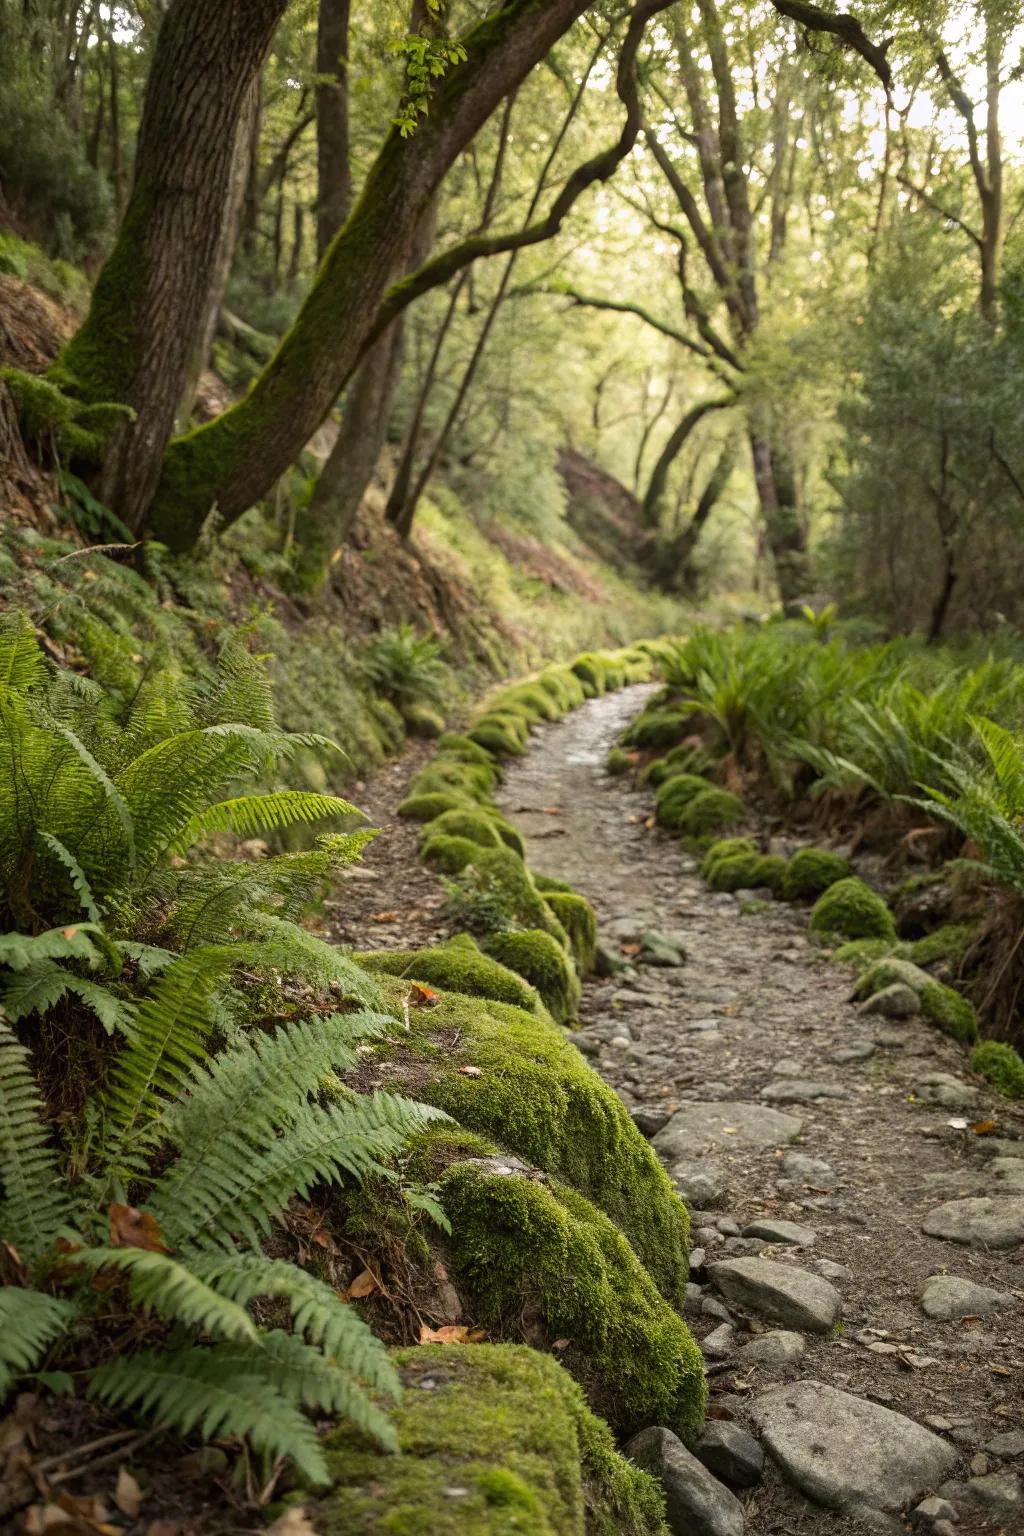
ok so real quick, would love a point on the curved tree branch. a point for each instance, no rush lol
(846, 28)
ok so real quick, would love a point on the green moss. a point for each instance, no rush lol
(501, 876)
(454, 967)
(428, 807)
(516, 722)
(942, 1006)
(549, 883)
(536, 1096)
(423, 721)
(674, 796)
(475, 825)
(540, 960)
(746, 872)
(56, 425)
(1002, 1065)
(497, 739)
(618, 762)
(663, 727)
(563, 686)
(534, 1247)
(679, 760)
(811, 872)
(510, 1429)
(949, 943)
(461, 749)
(476, 780)
(591, 672)
(528, 699)
(852, 910)
(712, 811)
(726, 848)
(450, 854)
(576, 916)
(862, 953)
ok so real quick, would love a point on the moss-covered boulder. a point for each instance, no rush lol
(618, 762)
(529, 1090)
(540, 959)
(576, 916)
(747, 872)
(714, 810)
(564, 687)
(1002, 1065)
(476, 781)
(502, 880)
(944, 946)
(852, 910)
(548, 883)
(862, 953)
(481, 826)
(942, 1006)
(674, 795)
(493, 1440)
(457, 966)
(682, 759)
(451, 855)
(659, 727)
(428, 807)
(421, 720)
(727, 848)
(531, 700)
(454, 744)
(496, 737)
(811, 872)
(527, 1245)
(591, 672)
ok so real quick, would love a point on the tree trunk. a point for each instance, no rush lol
(686, 575)
(940, 610)
(783, 526)
(151, 296)
(234, 461)
(658, 482)
(334, 173)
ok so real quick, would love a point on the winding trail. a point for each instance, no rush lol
(772, 1099)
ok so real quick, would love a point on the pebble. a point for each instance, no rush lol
(697, 1504)
(730, 1453)
(786, 1232)
(811, 1170)
(932, 1509)
(984, 1222)
(780, 1292)
(860, 1051)
(950, 1296)
(720, 1343)
(998, 1492)
(710, 1306)
(698, 1258)
(831, 1270)
(843, 1451)
(780, 1347)
(1007, 1445)
(699, 1183)
(647, 1121)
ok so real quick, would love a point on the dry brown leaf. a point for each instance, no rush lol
(651, 823)
(294, 1522)
(68, 1516)
(561, 1344)
(384, 917)
(471, 1071)
(132, 1228)
(984, 1127)
(423, 997)
(1000, 1370)
(364, 1284)
(552, 810)
(128, 1495)
(453, 1333)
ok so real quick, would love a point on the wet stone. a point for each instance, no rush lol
(785, 1232)
(730, 1453)
(845, 1452)
(780, 1347)
(697, 1504)
(720, 1342)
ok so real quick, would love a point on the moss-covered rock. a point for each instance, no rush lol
(862, 953)
(508, 1428)
(531, 1245)
(421, 720)
(496, 738)
(941, 1005)
(662, 727)
(674, 795)
(473, 825)
(726, 848)
(455, 967)
(747, 872)
(576, 916)
(531, 700)
(476, 781)
(503, 879)
(534, 1094)
(852, 910)
(945, 945)
(451, 855)
(429, 807)
(591, 673)
(540, 959)
(690, 759)
(811, 872)
(618, 762)
(564, 686)
(455, 745)
(548, 883)
(714, 810)
(1002, 1065)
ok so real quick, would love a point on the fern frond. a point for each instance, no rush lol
(38, 988)
(34, 1205)
(29, 1323)
(172, 1290)
(77, 874)
(252, 815)
(203, 1389)
(18, 951)
(240, 1188)
(284, 946)
(151, 959)
(22, 664)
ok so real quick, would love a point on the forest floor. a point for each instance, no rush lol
(772, 1098)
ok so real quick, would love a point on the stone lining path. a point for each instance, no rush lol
(857, 1265)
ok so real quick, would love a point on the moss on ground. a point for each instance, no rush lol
(473, 826)
(457, 966)
(1002, 1065)
(948, 944)
(862, 953)
(540, 959)
(852, 910)
(942, 1006)
(535, 1095)
(811, 872)
(663, 726)
(618, 762)
(508, 1428)
(496, 738)
(501, 876)
(576, 916)
(714, 810)
(459, 747)
(477, 781)
(533, 1245)
(451, 855)
(428, 807)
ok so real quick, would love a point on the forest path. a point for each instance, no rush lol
(772, 1099)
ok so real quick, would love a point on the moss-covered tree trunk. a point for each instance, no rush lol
(234, 461)
(152, 294)
(334, 174)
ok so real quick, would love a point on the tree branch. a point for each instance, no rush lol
(846, 28)
(963, 104)
(621, 307)
(930, 202)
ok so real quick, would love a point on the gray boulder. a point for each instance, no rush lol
(724, 1123)
(949, 1296)
(730, 1453)
(781, 1292)
(983, 1222)
(697, 1504)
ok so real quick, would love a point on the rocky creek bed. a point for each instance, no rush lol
(856, 1278)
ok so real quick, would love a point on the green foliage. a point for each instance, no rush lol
(540, 960)
(811, 871)
(46, 172)
(679, 760)
(1002, 1065)
(405, 667)
(852, 910)
(618, 762)
(659, 726)
(457, 966)
(941, 1005)
(577, 917)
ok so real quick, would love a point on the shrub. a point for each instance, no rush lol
(810, 873)
(679, 760)
(663, 727)
(852, 910)
(1002, 1065)
(405, 668)
(541, 960)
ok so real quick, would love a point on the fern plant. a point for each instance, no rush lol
(405, 667)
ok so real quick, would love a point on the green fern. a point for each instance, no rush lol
(252, 815)
(30, 1322)
(174, 1291)
(35, 1204)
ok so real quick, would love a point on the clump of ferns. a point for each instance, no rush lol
(155, 1202)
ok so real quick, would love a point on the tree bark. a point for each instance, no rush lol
(785, 533)
(151, 295)
(656, 486)
(686, 575)
(333, 148)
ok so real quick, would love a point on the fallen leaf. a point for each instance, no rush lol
(294, 1522)
(1000, 1370)
(651, 823)
(423, 997)
(471, 1072)
(984, 1127)
(132, 1228)
(630, 949)
(561, 1344)
(364, 1284)
(453, 1333)
(69, 933)
(552, 810)
(957, 1125)
(384, 917)
(128, 1495)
